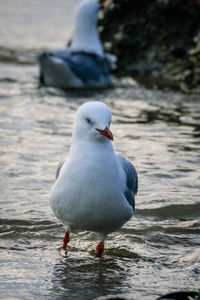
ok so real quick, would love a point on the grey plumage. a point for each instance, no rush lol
(132, 180)
(59, 168)
(70, 69)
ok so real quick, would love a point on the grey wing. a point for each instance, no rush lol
(58, 169)
(55, 70)
(63, 54)
(91, 69)
(132, 180)
(86, 69)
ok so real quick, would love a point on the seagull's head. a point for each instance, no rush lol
(92, 122)
(88, 11)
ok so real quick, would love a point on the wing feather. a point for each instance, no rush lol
(131, 180)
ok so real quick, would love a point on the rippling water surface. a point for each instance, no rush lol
(157, 251)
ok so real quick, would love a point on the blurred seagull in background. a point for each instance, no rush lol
(83, 64)
(95, 188)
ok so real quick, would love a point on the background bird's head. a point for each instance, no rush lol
(88, 11)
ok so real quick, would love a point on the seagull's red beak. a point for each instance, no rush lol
(106, 132)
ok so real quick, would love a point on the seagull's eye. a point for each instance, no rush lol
(88, 121)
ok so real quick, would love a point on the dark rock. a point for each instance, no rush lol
(190, 295)
(154, 38)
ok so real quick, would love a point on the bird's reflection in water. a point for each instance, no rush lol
(87, 278)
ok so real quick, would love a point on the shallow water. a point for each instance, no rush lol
(157, 251)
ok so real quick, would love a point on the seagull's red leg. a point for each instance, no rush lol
(66, 240)
(99, 249)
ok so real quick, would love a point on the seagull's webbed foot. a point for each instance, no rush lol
(100, 249)
(63, 248)
(66, 240)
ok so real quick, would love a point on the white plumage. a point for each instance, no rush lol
(95, 188)
(85, 37)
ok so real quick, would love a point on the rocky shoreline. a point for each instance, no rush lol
(156, 42)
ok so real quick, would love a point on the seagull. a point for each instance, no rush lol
(95, 188)
(83, 64)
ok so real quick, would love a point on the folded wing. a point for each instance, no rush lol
(131, 180)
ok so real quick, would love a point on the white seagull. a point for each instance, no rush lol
(83, 64)
(95, 188)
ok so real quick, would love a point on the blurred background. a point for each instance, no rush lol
(156, 41)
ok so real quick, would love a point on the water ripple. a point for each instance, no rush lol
(156, 250)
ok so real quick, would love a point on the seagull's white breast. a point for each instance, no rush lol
(88, 194)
